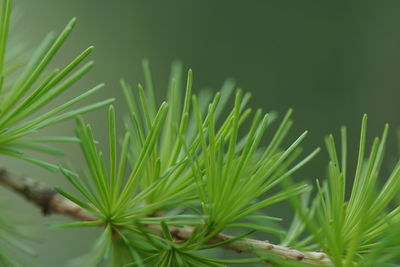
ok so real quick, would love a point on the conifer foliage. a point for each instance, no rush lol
(187, 170)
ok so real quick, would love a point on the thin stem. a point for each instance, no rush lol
(52, 202)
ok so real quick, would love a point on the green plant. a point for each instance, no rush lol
(185, 171)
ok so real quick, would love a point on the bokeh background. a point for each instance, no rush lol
(331, 61)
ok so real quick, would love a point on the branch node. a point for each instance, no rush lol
(50, 201)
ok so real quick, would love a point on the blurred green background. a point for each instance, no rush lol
(331, 61)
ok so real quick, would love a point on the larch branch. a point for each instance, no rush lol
(50, 202)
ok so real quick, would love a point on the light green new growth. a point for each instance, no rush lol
(355, 227)
(24, 92)
(196, 173)
(186, 171)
